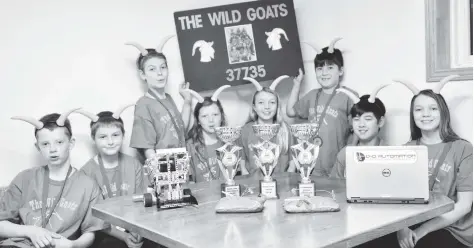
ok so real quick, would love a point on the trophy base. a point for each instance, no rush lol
(306, 189)
(235, 190)
(269, 189)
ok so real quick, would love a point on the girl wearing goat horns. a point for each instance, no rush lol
(266, 109)
(158, 123)
(323, 106)
(202, 139)
(450, 171)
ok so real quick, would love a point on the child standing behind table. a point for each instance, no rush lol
(266, 110)
(157, 123)
(326, 107)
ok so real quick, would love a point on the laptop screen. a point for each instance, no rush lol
(387, 172)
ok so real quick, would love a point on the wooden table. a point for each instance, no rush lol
(202, 227)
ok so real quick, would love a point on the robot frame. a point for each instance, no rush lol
(169, 170)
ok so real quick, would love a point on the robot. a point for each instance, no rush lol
(169, 171)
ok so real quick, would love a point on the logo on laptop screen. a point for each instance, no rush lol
(386, 172)
(389, 156)
(360, 157)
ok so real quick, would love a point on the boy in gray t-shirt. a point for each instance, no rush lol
(368, 117)
(50, 205)
(117, 174)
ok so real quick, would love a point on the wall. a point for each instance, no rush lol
(61, 54)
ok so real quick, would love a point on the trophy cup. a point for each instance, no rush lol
(228, 158)
(266, 158)
(304, 155)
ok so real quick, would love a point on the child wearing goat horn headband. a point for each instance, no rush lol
(450, 174)
(117, 174)
(368, 117)
(325, 107)
(158, 123)
(50, 205)
(266, 109)
(202, 139)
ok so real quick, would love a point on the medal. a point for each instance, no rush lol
(305, 157)
(318, 141)
(229, 159)
(266, 156)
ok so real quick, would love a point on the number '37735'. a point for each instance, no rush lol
(246, 71)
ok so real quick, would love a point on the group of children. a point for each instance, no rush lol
(65, 219)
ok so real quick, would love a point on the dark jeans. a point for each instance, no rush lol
(106, 241)
(150, 244)
(103, 240)
(437, 239)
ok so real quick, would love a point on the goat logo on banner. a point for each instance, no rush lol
(207, 52)
(274, 37)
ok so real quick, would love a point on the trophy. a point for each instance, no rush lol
(228, 158)
(304, 155)
(266, 158)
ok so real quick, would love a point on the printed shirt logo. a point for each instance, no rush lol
(204, 169)
(444, 167)
(315, 114)
(56, 219)
(38, 222)
(113, 187)
(444, 177)
(166, 119)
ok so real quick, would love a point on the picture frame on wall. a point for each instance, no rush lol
(448, 39)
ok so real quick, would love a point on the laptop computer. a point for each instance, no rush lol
(387, 174)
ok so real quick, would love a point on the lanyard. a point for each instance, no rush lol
(44, 218)
(204, 158)
(105, 179)
(176, 126)
(323, 114)
(441, 159)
